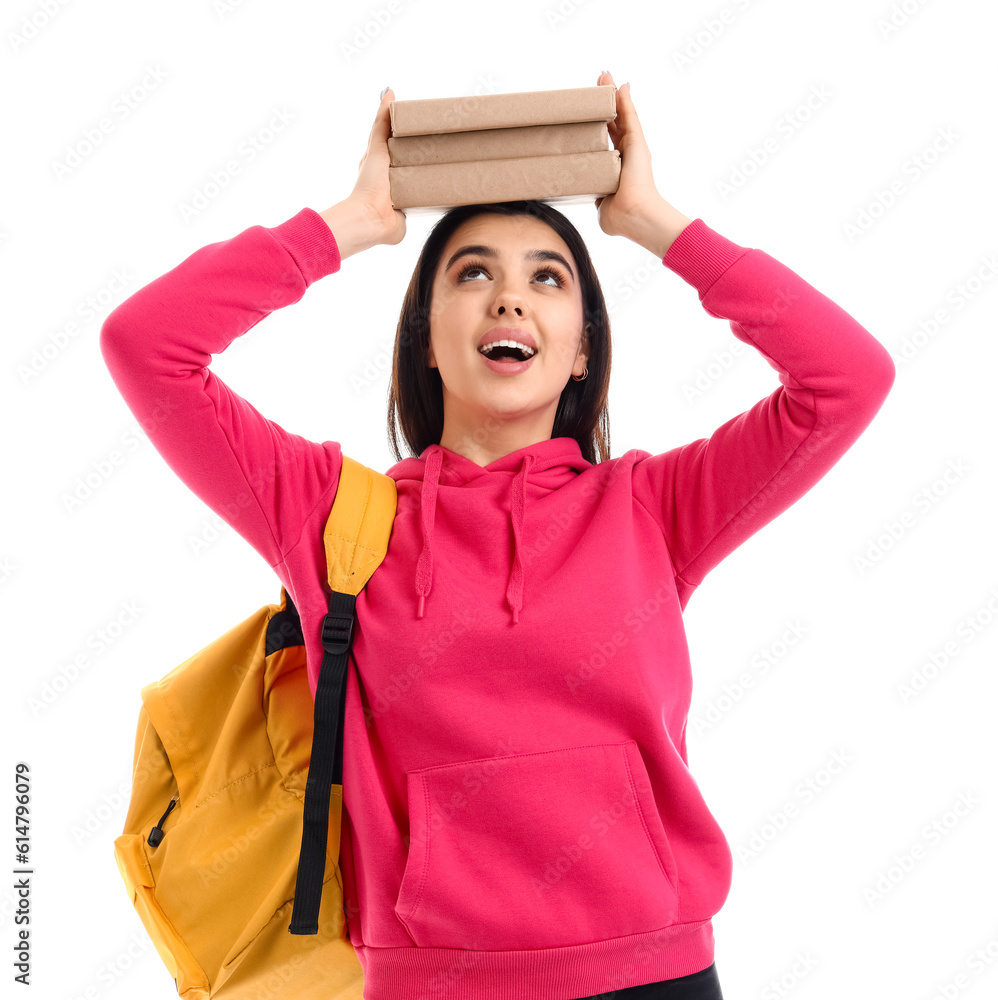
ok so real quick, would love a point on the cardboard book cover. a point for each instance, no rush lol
(498, 143)
(531, 145)
(562, 178)
(487, 111)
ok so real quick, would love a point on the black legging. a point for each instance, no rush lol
(703, 985)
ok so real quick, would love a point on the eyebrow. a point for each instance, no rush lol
(480, 250)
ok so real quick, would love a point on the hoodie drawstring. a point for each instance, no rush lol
(427, 511)
(424, 566)
(514, 587)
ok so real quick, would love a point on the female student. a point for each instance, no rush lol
(520, 821)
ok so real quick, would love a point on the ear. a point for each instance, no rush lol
(583, 354)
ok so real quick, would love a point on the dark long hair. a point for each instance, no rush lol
(415, 394)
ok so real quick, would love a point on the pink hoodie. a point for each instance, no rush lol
(520, 818)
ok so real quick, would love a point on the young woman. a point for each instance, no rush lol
(520, 819)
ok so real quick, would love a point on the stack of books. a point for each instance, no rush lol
(549, 145)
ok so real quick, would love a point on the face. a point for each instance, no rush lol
(476, 292)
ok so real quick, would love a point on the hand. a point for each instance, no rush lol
(372, 191)
(625, 212)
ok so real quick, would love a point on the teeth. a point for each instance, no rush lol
(485, 348)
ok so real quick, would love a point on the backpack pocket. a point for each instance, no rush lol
(133, 863)
(536, 850)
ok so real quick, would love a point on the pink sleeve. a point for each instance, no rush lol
(709, 496)
(261, 479)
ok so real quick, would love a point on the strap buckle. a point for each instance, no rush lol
(337, 631)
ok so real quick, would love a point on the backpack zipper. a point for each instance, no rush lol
(156, 833)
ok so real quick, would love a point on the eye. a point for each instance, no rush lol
(559, 280)
(467, 269)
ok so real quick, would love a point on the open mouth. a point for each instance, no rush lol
(508, 354)
(507, 360)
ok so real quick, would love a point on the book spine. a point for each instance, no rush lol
(444, 185)
(487, 111)
(498, 143)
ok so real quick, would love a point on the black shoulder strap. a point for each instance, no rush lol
(356, 540)
(326, 764)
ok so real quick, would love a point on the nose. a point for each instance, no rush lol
(507, 300)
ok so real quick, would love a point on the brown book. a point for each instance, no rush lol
(488, 111)
(498, 143)
(561, 178)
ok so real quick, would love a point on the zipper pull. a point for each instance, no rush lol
(156, 833)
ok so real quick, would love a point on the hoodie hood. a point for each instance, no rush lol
(547, 465)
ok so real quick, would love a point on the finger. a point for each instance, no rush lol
(384, 111)
(627, 116)
(614, 125)
(382, 121)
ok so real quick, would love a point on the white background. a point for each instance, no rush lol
(70, 565)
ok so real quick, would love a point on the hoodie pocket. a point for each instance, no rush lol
(536, 850)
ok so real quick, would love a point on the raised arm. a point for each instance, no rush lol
(157, 345)
(712, 494)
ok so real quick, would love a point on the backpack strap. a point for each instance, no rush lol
(356, 540)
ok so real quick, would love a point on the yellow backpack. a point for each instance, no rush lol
(234, 815)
